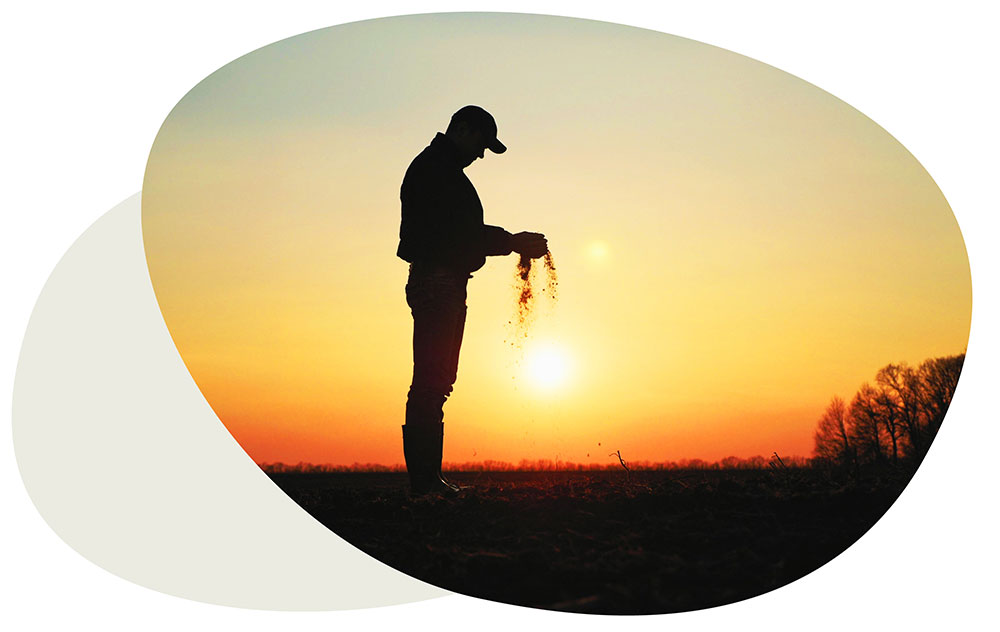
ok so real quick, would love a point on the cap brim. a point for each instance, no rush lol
(497, 147)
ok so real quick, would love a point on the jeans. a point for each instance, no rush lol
(437, 302)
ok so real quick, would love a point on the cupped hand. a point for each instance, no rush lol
(531, 245)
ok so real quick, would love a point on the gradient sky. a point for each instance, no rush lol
(734, 245)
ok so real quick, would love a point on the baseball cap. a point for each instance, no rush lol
(482, 120)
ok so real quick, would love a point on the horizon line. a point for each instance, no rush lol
(548, 465)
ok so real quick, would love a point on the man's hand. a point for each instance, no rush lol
(531, 245)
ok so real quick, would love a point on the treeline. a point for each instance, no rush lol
(305, 468)
(892, 419)
(547, 465)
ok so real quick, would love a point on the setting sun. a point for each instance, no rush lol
(597, 251)
(548, 367)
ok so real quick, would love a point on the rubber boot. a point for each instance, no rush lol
(438, 458)
(422, 452)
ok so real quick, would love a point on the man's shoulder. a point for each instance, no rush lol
(426, 158)
(428, 163)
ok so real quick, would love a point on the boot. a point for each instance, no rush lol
(422, 452)
(438, 457)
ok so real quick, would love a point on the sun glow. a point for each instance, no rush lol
(597, 251)
(548, 367)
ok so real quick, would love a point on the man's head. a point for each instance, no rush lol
(474, 130)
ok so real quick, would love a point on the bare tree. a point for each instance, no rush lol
(867, 430)
(939, 379)
(895, 417)
(901, 391)
(832, 439)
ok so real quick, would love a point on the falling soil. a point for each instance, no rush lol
(525, 286)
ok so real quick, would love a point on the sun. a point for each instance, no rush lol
(548, 366)
(598, 251)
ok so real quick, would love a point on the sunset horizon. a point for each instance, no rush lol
(734, 246)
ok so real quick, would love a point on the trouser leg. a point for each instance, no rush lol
(439, 311)
(437, 342)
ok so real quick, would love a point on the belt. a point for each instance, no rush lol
(435, 269)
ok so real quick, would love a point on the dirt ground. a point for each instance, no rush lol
(599, 542)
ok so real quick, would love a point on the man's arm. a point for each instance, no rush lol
(498, 241)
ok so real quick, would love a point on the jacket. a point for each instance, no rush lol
(442, 217)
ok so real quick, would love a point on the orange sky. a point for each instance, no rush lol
(734, 245)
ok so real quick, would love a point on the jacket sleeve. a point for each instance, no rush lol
(497, 240)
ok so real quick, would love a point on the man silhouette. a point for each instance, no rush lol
(444, 239)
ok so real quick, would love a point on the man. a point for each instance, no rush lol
(443, 237)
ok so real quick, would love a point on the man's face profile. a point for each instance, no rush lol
(472, 142)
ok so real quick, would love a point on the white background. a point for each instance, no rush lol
(88, 84)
